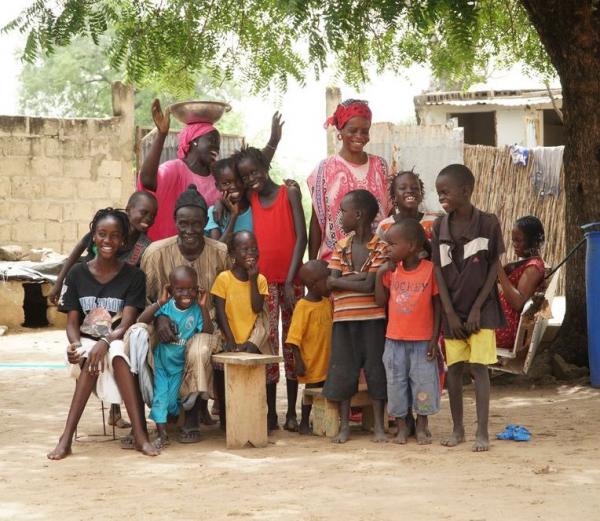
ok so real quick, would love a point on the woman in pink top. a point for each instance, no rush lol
(352, 168)
(199, 145)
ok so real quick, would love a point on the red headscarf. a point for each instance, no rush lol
(189, 133)
(348, 110)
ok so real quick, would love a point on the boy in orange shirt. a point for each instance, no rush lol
(407, 285)
(309, 336)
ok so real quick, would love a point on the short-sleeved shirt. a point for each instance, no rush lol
(465, 265)
(243, 223)
(410, 306)
(100, 305)
(351, 305)
(174, 177)
(171, 357)
(162, 257)
(238, 302)
(310, 330)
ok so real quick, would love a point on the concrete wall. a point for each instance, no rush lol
(511, 122)
(426, 149)
(55, 173)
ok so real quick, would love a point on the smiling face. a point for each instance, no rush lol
(108, 237)
(355, 134)
(184, 287)
(141, 213)
(229, 183)
(190, 222)
(244, 249)
(252, 174)
(204, 150)
(451, 193)
(407, 191)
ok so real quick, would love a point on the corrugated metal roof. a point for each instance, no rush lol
(505, 98)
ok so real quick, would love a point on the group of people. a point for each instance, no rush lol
(208, 256)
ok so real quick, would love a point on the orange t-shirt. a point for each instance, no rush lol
(410, 306)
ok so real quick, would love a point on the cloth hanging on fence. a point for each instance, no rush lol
(547, 164)
(519, 155)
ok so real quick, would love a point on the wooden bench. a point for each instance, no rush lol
(246, 397)
(326, 415)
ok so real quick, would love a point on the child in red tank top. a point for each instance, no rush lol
(280, 230)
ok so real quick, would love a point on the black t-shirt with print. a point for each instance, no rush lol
(101, 306)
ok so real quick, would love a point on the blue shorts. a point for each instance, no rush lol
(412, 380)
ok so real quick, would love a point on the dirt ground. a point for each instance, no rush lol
(554, 476)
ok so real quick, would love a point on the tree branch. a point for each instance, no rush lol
(553, 100)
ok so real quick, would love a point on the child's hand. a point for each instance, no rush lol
(218, 208)
(72, 355)
(248, 347)
(202, 298)
(252, 268)
(473, 320)
(161, 120)
(456, 327)
(276, 128)
(54, 294)
(165, 330)
(299, 367)
(234, 208)
(432, 349)
(164, 295)
(290, 296)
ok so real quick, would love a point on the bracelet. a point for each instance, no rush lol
(268, 145)
(75, 344)
(105, 340)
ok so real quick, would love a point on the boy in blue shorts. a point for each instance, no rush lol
(466, 247)
(406, 285)
(187, 309)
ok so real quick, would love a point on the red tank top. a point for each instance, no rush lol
(275, 235)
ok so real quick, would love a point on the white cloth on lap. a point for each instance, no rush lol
(106, 386)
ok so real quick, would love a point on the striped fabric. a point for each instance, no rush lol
(351, 305)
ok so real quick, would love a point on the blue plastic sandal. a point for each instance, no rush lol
(508, 432)
(521, 434)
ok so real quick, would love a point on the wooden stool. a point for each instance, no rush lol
(246, 397)
(326, 414)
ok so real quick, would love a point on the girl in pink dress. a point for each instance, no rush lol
(521, 279)
(351, 169)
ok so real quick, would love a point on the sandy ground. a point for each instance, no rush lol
(555, 476)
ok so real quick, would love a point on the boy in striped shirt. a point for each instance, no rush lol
(358, 336)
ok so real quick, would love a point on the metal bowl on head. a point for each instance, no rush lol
(199, 111)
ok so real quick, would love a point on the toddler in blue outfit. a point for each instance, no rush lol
(187, 310)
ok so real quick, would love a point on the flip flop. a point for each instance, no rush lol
(508, 432)
(521, 433)
(127, 442)
(189, 436)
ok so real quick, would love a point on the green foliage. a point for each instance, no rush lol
(75, 81)
(264, 42)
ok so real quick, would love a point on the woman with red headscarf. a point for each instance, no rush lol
(198, 149)
(350, 169)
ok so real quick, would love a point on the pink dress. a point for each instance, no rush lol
(333, 178)
(505, 337)
(173, 178)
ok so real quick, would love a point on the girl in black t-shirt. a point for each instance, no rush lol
(103, 298)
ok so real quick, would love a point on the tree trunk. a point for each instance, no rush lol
(570, 32)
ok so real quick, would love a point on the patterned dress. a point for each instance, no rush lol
(333, 178)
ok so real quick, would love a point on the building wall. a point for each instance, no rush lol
(55, 173)
(511, 122)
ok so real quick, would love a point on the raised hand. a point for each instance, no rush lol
(162, 120)
(164, 295)
(202, 297)
(276, 129)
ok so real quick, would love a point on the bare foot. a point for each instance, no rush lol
(343, 435)
(148, 449)
(161, 441)
(379, 436)
(115, 418)
(423, 437)
(457, 437)
(304, 428)
(482, 443)
(61, 451)
(401, 438)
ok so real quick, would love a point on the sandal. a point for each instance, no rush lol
(189, 436)
(521, 433)
(127, 442)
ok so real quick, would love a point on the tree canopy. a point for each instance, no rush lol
(265, 42)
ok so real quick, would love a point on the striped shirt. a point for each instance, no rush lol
(351, 305)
